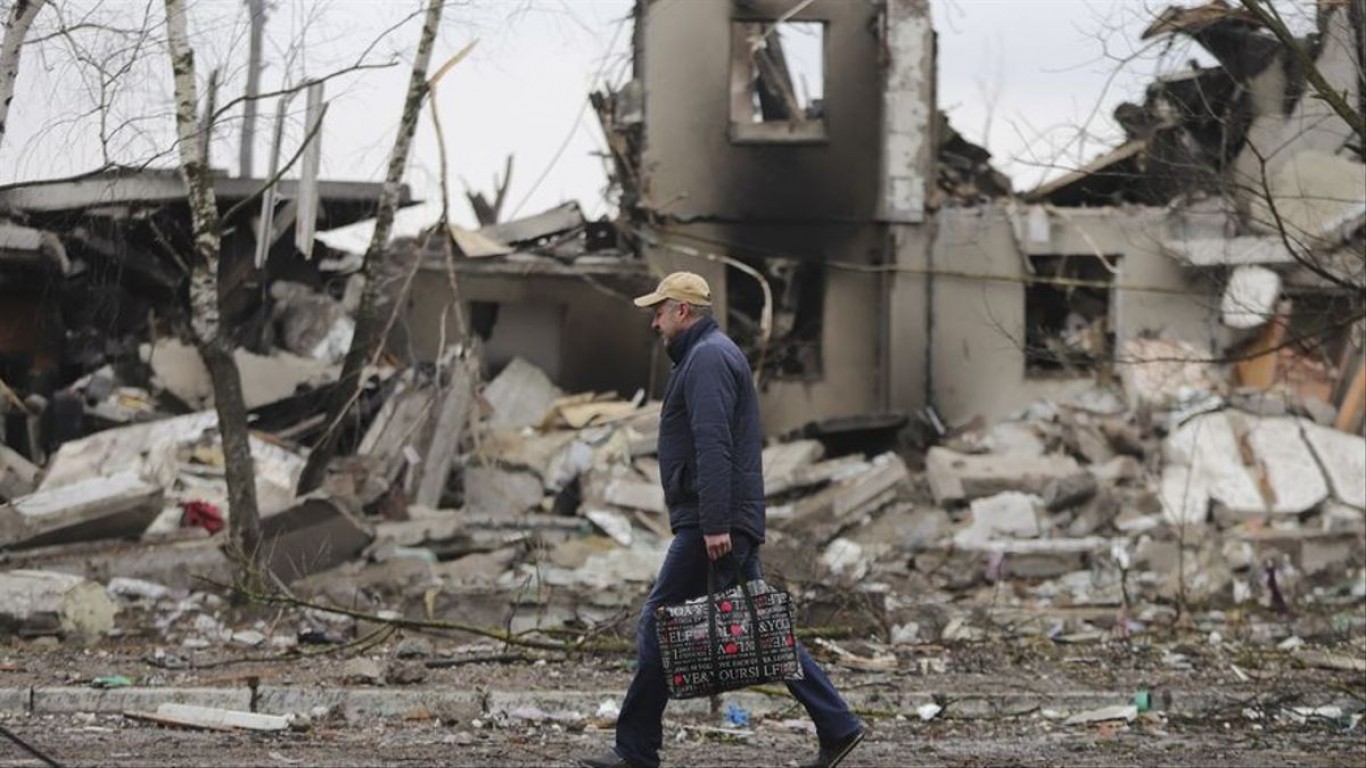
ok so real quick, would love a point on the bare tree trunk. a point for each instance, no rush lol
(379, 288)
(17, 22)
(206, 321)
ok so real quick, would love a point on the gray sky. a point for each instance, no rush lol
(1030, 80)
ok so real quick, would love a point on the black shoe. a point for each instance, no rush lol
(833, 754)
(608, 759)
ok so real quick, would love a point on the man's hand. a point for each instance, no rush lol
(718, 544)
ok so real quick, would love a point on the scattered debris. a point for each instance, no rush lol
(1126, 712)
(1209, 474)
(34, 603)
(318, 534)
(210, 718)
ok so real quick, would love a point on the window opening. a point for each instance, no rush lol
(778, 81)
(1068, 328)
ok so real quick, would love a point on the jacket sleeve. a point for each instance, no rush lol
(710, 391)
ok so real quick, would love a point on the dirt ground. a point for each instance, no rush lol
(113, 741)
(1223, 734)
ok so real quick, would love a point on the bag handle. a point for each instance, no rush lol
(711, 617)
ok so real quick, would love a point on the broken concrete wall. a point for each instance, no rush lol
(909, 139)
(848, 383)
(979, 361)
(849, 379)
(908, 328)
(691, 161)
(751, 198)
(1275, 137)
(597, 342)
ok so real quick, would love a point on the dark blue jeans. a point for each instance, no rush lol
(683, 576)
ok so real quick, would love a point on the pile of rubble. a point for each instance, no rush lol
(526, 508)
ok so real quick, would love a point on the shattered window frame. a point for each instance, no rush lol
(747, 124)
(1055, 345)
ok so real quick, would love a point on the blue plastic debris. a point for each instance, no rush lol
(736, 716)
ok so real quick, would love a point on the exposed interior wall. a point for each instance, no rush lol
(849, 383)
(979, 324)
(596, 342)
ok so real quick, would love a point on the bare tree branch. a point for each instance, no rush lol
(297, 88)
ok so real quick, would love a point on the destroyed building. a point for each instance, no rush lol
(888, 288)
(1130, 407)
(1232, 216)
(872, 261)
(789, 164)
(105, 254)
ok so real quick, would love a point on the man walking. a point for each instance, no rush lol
(710, 463)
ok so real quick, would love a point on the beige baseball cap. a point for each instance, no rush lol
(679, 286)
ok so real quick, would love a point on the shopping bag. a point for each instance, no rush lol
(728, 640)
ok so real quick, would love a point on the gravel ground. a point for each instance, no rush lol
(114, 741)
(1252, 685)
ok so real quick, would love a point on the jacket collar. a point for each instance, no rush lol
(678, 348)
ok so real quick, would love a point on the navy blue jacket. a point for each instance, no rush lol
(710, 438)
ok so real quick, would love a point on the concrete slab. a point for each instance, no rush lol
(1311, 551)
(1185, 498)
(178, 368)
(453, 414)
(1343, 459)
(66, 699)
(832, 471)
(956, 477)
(147, 449)
(1293, 480)
(216, 718)
(1318, 197)
(843, 501)
(636, 495)
(1006, 515)
(34, 603)
(783, 460)
(860, 492)
(1250, 297)
(15, 700)
(315, 535)
(1209, 446)
(18, 475)
(1230, 251)
(116, 507)
(501, 492)
(520, 395)
(1014, 438)
(361, 704)
(179, 565)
